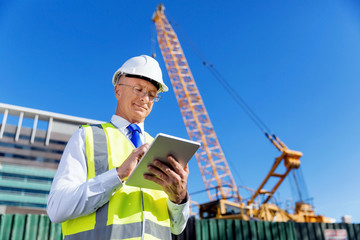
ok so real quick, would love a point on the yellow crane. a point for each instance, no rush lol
(211, 160)
(213, 166)
(290, 158)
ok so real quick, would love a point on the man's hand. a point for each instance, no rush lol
(173, 181)
(130, 163)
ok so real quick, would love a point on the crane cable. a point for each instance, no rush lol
(153, 54)
(218, 76)
(237, 98)
(302, 194)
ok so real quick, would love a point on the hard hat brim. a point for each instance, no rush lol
(161, 86)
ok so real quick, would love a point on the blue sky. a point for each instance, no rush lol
(296, 63)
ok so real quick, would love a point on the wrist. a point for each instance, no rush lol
(183, 200)
(120, 174)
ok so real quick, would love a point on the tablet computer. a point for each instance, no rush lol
(162, 146)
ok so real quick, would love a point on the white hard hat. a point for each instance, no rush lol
(144, 67)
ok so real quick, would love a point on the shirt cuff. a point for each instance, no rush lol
(173, 207)
(179, 214)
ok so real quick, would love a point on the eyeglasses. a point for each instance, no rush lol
(141, 92)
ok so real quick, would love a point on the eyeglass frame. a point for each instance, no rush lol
(141, 93)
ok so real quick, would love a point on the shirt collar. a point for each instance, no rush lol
(122, 123)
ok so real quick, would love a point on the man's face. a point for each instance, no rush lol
(130, 106)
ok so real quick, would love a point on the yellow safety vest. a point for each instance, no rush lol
(132, 212)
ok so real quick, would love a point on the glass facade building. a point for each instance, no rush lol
(31, 145)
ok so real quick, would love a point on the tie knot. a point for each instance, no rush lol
(135, 135)
(133, 127)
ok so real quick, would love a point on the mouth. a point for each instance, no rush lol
(141, 107)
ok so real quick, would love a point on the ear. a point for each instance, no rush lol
(117, 91)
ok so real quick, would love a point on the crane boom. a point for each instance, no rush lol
(210, 157)
(291, 161)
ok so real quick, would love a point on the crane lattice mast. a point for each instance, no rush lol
(210, 157)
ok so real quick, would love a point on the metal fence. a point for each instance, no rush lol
(30, 226)
(262, 230)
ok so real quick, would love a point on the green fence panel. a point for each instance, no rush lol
(213, 229)
(55, 232)
(282, 231)
(221, 229)
(198, 229)
(238, 231)
(350, 231)
(289, 231)
(329, 226)
(252, 230)
(260, 230)
(305, 231)
(5, 229)
(31, 229)
(205, 230)
(43, 227)
(267, 230)
(356, 228)
(338, 226)
(245, 229)
(311, 231)
(32, 225)
(297, 231)
(323, 226)
(229, 226)
(318, 231)
(18, 226)
(274, 231)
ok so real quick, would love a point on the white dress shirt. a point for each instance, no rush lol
(72, 196)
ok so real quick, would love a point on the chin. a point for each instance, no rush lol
(139, 119)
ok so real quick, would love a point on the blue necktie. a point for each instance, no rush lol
(135, 135)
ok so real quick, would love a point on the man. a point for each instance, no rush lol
(88, 194)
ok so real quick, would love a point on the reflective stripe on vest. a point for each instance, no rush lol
(123, 216)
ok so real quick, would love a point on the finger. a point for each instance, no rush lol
(177, 166)
(146, 145)
(143, 148)
(154, 179)
(140, 151)
(162, 174)
(167, 170)
(186, 169)
(168, 189)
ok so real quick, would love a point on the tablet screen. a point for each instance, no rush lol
(162, 146)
